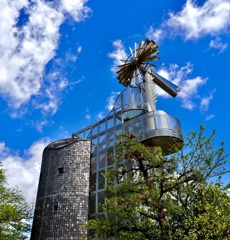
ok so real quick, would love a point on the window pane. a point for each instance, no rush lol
(110, 157)
(102, 126)
(93, 163)
(92, 202)
(102, 159)
(110, 123)
(101, 179)
(93, 181)
(102, 142)
(101, 200)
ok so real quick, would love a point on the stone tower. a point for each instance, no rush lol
(63, 191)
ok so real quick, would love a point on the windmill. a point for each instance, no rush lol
(137, 70)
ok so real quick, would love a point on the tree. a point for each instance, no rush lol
(150, 196)
(15, 213)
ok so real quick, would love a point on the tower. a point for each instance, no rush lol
(62, 197)
(92, 149)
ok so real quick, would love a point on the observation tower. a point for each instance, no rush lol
(71, 184)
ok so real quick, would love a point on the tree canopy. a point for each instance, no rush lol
(15, 213)
(151, 196)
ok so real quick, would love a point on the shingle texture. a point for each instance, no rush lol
(63, 192)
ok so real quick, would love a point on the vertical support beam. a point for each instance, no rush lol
(149, 86)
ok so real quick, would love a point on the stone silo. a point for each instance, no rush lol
(63, 191)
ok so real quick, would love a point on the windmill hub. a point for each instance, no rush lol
(134, 61)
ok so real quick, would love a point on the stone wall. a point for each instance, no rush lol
(63, 191)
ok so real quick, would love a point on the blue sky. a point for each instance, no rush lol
(58, 61)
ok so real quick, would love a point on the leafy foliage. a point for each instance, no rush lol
(150, 196)
(15, 213)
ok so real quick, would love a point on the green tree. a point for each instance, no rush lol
(15, 213)
(150, 196)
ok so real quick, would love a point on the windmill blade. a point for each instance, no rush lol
(141, 43)
(135, 50)
(166, 85)
(131, 50)
(147, 52)
(139, 62)
(125, 74)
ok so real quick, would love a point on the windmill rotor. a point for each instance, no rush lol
(138, 63)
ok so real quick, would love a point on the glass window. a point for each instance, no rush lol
(102, 156)
(95, 130)
(93, 181)
(110, 157)
(92, 203)
(102, 126)
(110, 138)
(101, 179)
(102, 142)
(87, 133)
(93, 162)
(118, 120)
(110, 123)
(94, 144)
(101, 200)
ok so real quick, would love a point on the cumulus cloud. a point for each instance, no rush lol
(26, 48)
(117, 55)
(189, 86)
(23, 171)
(194, 22)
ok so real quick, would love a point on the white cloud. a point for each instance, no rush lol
(209, 117)
(87, 114)
(87, 117)
(26, 48)
(117, 55)
(111, 100)
(39, 125)
(205, 101)
(75, 8)
(189, 92)
(100, 115)
(217, 44)
(189, 87)
(156, 34)
(23, 171)
(79, 49)
(194, 22)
